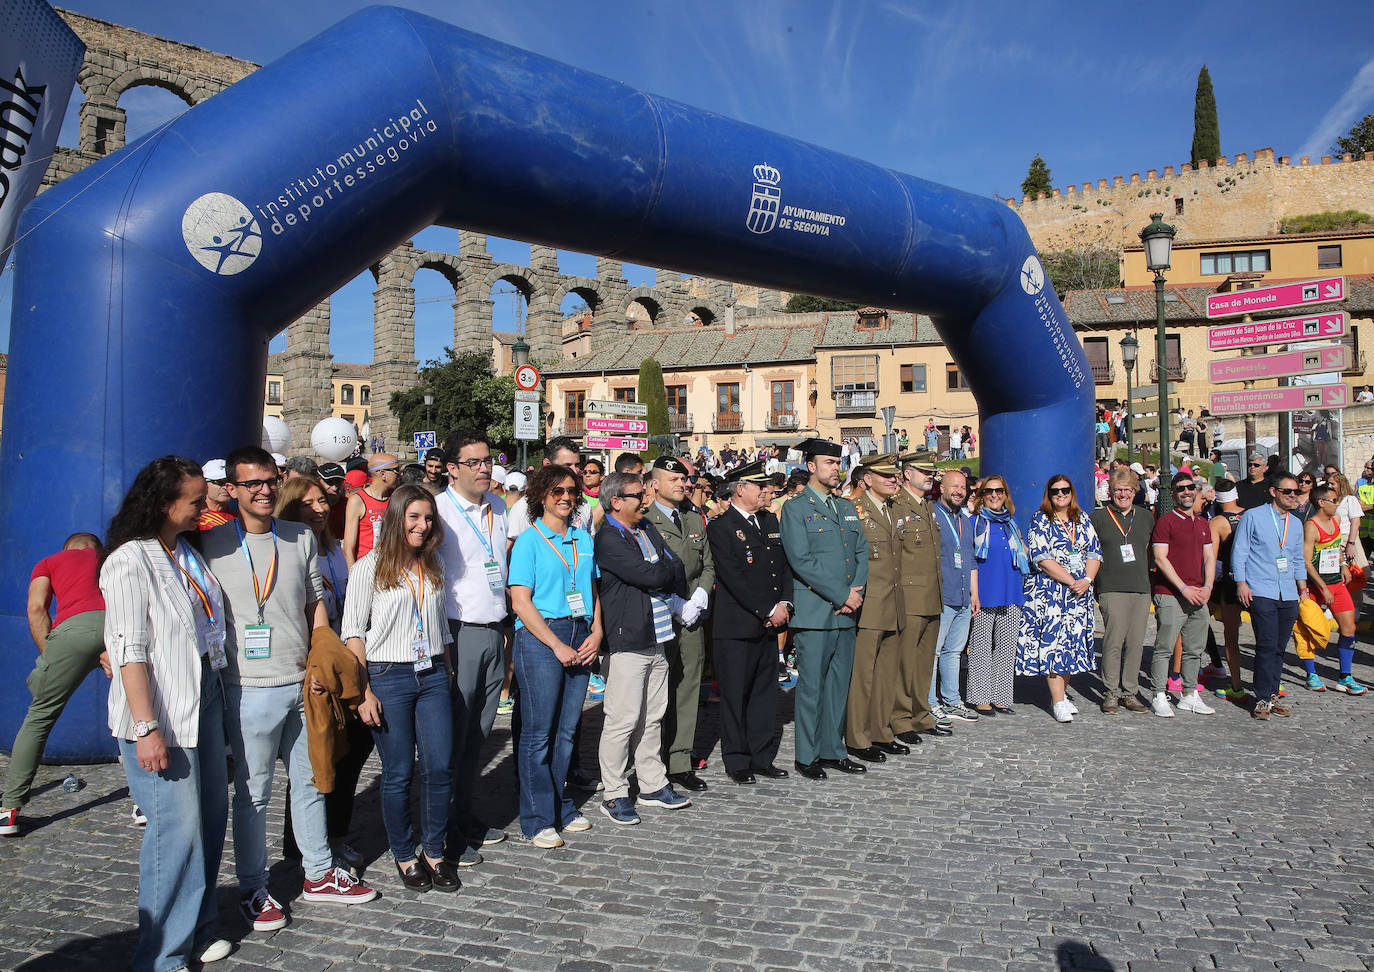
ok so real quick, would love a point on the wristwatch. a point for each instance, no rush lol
(142, 729)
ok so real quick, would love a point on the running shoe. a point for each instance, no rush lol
(1349, 686)
(596, 688)
(506, 706)
(1315, 683)
(1175, 685)
(1238, 695)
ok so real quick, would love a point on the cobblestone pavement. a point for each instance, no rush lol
(1115, 842)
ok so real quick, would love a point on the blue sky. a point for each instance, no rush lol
(960, 93)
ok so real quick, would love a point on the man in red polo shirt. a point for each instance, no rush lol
(1185, 565)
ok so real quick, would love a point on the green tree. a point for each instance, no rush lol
(467, 395)
(1037, 181)
(1342, 219)
(654, 396)
(1082, 268)
(1206, 131)
(1359, 141)
(806, 303)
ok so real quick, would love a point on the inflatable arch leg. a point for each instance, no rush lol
(150, 283)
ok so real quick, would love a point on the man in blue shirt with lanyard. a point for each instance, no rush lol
(473, 551)
(956, 595)
(1271, 579)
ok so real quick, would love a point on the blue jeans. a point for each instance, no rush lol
(417, 716)
(264, 724)
(178, 866)
(1273, 624)
(551, 698)
(949, 646)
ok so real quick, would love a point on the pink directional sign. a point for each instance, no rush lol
(1280, 399)
(1276, 297)
(1333, 358)
(1280, 331)
(612, 442)
(595, 423)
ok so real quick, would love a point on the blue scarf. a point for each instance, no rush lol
(983, 527)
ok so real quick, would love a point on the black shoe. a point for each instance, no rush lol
(771, 772)
(1003, 710)
(581, 781)
(893, 748)
(872, 754)
(688, 781)
(911, 737)
(444, 876)
(846, 765)
(812, 771)
(938, 731)
(742, 777)
(415, 875)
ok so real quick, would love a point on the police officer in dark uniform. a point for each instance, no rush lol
(753, 603)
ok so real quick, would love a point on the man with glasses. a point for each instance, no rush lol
(642, 586)
(1123, 590)
(1253, 491)
(217, 509)
(273, 598)
(560, 451)
(1185, 565)
(473, 553)
(367, 506)
(1270, 571)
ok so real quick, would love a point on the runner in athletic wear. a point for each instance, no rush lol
(367, 505)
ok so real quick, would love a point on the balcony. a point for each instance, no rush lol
(856, 402)
(1357, 363)
(785, 419)
(679, 423)
(728, 422)
(1104, 374)
(1177, 372)
(575, 426)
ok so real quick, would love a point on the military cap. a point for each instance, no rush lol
(752, 473)
(670, 464)
(885, 464)
(921, 459)
(819, 447)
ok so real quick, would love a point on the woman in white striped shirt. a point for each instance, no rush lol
(164, 630)
(396, 624)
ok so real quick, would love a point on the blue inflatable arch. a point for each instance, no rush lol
(149, 284)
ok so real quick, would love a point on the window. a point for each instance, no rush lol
(782, 396)
(1328, 257)
(1099, 359)
(677, 399)
(913, 378)
(1178, 205)
(345, 394)
(365, 395)
(575, 405)
(727, 398)
(854, 379)
(274, 393)
(1236, 261)
(871, 319)
(624, 394)
(348, 417)
(954, 381)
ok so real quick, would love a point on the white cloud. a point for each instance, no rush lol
(1357, 98)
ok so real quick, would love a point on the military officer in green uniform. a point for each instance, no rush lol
(684, 531)
(825, 547)
(919, 539)
(868, 734)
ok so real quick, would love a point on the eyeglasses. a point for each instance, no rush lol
(992, 491)
(1062, 491)
(572, 491)
(488, 462)
(1286, 490)
(258, 485)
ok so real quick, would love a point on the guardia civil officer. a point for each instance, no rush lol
(920, 543)
(867, 734)
(824, 541)
(753, 603)
(684, 531)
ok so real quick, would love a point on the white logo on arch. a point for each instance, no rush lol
(1032, 275)
(221, 234)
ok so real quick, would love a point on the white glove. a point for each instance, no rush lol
(690, 614)
(701, 599)
(675, 606)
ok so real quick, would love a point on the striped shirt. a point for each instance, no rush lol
(385, 620)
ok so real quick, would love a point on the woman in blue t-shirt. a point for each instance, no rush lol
(999, 568)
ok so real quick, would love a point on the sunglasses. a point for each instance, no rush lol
(634, 496)
(572, 491)
(1062, 491)
(1286, 490)
(1307, 479)
(1185, 488)
(1254, 465)
(992, 491)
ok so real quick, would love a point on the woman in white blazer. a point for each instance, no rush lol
(164, 631)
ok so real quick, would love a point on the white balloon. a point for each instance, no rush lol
(276, 434)
(333, 439)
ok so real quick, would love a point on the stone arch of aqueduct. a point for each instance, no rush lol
(119, 58)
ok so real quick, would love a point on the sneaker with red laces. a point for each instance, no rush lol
(262, 911)
(338, 887)
(9, 822)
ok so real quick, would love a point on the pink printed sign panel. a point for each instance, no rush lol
(595, 423)
(1311, 361)
(1292, 399)
(612, 442)
(1276, 297)
(1314, 327)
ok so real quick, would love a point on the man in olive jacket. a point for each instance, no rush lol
(824, 541)
(919, 537)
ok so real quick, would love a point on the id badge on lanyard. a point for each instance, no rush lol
(419, 645)
(1281, 561)
(490, 567)
(257, 641)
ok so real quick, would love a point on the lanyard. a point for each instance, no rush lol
(572, 571)
(419, 597)
(1124, 534)
(491, 517)
(198, 587)
(1283, 540)
(264, 591)
(958, 531)
(1071, 530)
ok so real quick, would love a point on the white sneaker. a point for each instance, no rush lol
(139, 818)
(547, 839)
(1161, 707)
(214, 951)
(1194, 703)
(1063, 711)
(1069, 702)
(578, 824)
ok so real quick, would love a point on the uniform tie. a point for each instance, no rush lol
(677, 521)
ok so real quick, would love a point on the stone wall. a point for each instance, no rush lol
(1357, 438)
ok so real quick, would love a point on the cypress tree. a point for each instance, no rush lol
(1206, 131)
(1037, 179)
(654, 396)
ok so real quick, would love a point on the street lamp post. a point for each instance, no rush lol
(520, 355)
(429, 400)
(1130, 348)
(1158, 239)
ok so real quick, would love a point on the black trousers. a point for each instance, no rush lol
(747, 673)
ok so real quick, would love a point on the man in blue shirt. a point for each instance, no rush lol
(1269, 568)
(959, 602)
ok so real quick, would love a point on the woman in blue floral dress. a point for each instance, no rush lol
(1056, 636)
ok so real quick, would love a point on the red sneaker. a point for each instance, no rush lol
(9, 822)
(262, 911)
(337, 887)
